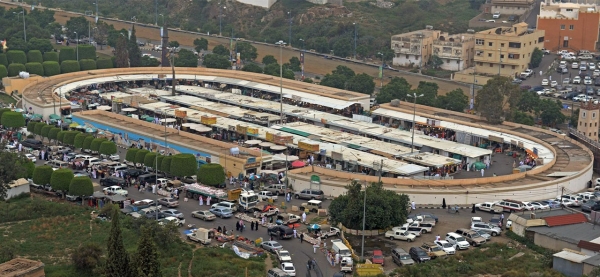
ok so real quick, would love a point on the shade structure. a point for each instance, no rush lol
(19, 110)
(104, 108)
(149, 119)
(266, 144)
(168, 120)
(252, 142)
(37, 115)
(278, 147)
(282, 157)
(188, 124)
(129, 109)
(54, 116)
(90, 130)
(298, 164)
(201, 128)
(73, 125)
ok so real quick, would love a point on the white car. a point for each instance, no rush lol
(577, 80)
(596, 73)
(587, 80)
(575, 65)
(566, 202)
(579, 97)
(539, 205)
(569, 57)
(114, 157)
(583, 68)
(476, 219)
(289, 269)
(446, 246)
(31, 157)
(284, 256)
(592, 66)
(553, 84)
(115, 190)
(545, 82)
(528, 207)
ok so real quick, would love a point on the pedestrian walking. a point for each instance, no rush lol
(315, 246)
(482, 172)
(303, 217)
(294, 232)
(200, 200)
(237, 226)
(413, 206)
(301, 237)
(437, 238)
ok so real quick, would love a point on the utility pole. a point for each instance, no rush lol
(156, 12)
(355, 34)
(290, 40)
(97, 11)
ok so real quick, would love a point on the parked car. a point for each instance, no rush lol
(311, 194)
(457, 241)
(587, 206)
(418, 254)
(576, 80)
(446, 246)
(280, 232)
(491, 229)
(471, 236)
(289, 269)
(112, 181)
(433, 250)
(32, 143)
(539, 205)
(284, 256)
(168, 202)
(222, 212)
(377, 257)
(172, 220)
(483, 234)
(31, 157)
(204, 215)
(401, 258)
(173, 212)
(545, 82)
(488, 207)
(552, 204)
(272, 246)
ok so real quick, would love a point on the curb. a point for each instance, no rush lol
(440, 207)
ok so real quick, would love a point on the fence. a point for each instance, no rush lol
(368, 233)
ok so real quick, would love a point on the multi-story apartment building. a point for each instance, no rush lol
(455, 51)
(506, 50)
(569, 26)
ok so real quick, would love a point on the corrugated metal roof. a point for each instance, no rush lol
(567, 219)
(589, 245)
(570, 255)
(593, 260)
(570, 233)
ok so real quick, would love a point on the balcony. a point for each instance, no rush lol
(415, 50)
(447, 43)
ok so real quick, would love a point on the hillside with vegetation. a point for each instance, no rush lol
(323, 27)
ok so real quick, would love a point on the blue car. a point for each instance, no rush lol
(551, 203)
(222, 212)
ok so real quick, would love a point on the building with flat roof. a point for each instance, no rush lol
(21, 267)
(506, 51)
(456, 51)
(516, 7)
(565, 26)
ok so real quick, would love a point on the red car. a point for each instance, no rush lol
(377, 257)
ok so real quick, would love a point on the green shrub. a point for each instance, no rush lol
(46, 130)
(104, 63)
(38, 128)
(53, 133)
(131, 153)
(15, 68)
(67, 54)
(87, 64)
(3, 59)
(69, 137)
(87, 52)
(31, 126)
(79, 138)
(211, 174)
(81, 186)
(61, 179)
(35, 68)
(107, 148)
(34, 56)
(51, 57)
(3, 71)
(95, 146)
(16, 56)
(42, 174)
(184, 165)
(165, 165)
(150, 159)
(69, 66)
(12, 119)
(51, 68)
(87, 142)
(60, 136)
(140, 156)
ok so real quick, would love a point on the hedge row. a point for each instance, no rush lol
(69, 66)
(35, 68)
(51, 68)
(104, 63)
(51, 57)
(15, 68)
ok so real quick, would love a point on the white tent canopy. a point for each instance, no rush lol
(252, 142)
(168, 120)
(129, 109)
(104, 108)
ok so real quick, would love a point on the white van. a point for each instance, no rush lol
(338, 246)
(226, 204)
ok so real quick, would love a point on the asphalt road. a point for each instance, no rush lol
(531, 20)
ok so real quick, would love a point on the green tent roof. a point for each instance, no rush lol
(295, 132)
(54, 116)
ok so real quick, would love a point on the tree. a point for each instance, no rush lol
(79, 138)
(173, 43)
(159, 160)
(122, 56)
(108, 148)
(69, 137)
(87, 52)
(95, 146)
(61, 179)
(436, 62)
(140, 155)
(252, 67)
(455, 100)
(103, 63)
(53, 133)
(536, 57)
(183, 165)
(42, 175)
(38, 44)
(87, 257)
(12, 120)
(200, 44)
(101, 33)
(60, 136)
(295, 64)
(344, 71)
(38, 128)
(31, 126)
(221, 50)
(186, 58)
(383, 208)
(528, 102)
(574, 118)
(496, 97)
(45, 131)
(117, 260)
(149, 62)
(81, 186)
(146, 262)
(165, 165)
(362, 83)
(150, 159)
(28, 167)
(429, 91)
(133, 49)
(87, 142)
(77, 25)
(342, 47)
(551, 112)
(17, 43)
(272, 69)
(269, 59)
(12, 167)
(211, 174)
(16, 56)
(397, 88)
(334, 81)
(321, 45)
(247, 51)
(308, 80)
(522, 118)
(130, 155)
(216, 61)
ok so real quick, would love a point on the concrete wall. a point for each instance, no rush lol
(468, 78)
(567, 267)
(411, 61)
(453, 65)
(259, 3)
(17, 84)
(518, 229)
(517, 10)
(12, 192)
(552, 243)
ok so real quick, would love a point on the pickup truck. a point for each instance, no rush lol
(488, 207)
(201, 235)
(332, 231)
(421, 219)
(401, 235)
(433, 250)
(417, 231)
(288, 218)
(266, 211)
(115, 190)
(426, 227)
(266, 195)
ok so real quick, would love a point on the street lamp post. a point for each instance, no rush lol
(499, 60)
(220, 18)
(156, 12)
(381, 72)
(303, 57)
(163, 19)
(97, 11)
(77, 47)
(281, 44)
(290, 32)
(24, 30)
(355, 34)
(362, 245)
(412, 143)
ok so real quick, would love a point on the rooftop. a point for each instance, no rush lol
(588, 245)
(570, 233)
(568, 219)
(593, 260)
(515, 30)
(571, 255)
(19, 267)
(419, 34)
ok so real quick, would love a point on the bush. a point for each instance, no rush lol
(67, 54)
(38, 128)
(150, 159)
(46, 130)
(53, 132)
(3, 71)
(81, 186)
(12, 119)
(87, 52)
(60, 136)
(35, 68)
(108, 148)
(31, 126)
(95, 146)
(69, 66)
(51, 68)
(79, 138)
(165, 165)
(183, 165)
(140, 156)
(51, 57)
(69, 137)
(61, 179)
(16, 56)
(104, 63)
(42, 174)
(87, 142)
(87, 64)
(211, 174)
(3, 59)
(130, 155)
(15, 68)
(34, 56)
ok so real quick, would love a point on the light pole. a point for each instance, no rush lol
(24, 30)
(96, 11)
(77, 40)
(303, 54)
(163, 19)
(290, 40)
(355, 34)
(220, 18)
(156, 12)
(499, 60)
(362, 245)
(281, 44)
(95, 32)
(381, 71)
(412, 142)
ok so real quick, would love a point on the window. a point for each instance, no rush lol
(502, 66)
(457, 61)
(479, 41)
(407, 57)
(514, 56)
(491, 65)
(501, 44)
(490, 44)
(480, 64)
(566, 43)
(541, 39)
(585, 124)
(571, 27)
(489, 55)
(583, 115)
(562, 26)
(448, 61)
(569, 10)
(513, 67)
(501, 56)
(514, 44)
(593, 115)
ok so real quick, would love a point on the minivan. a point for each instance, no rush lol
(338, 247)
(32, 143)
(225, 204)
(276, 272)
(149, 178)
(311, 194)
(400, 257)
(511, 205)
(57, 164)
(457, 240)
